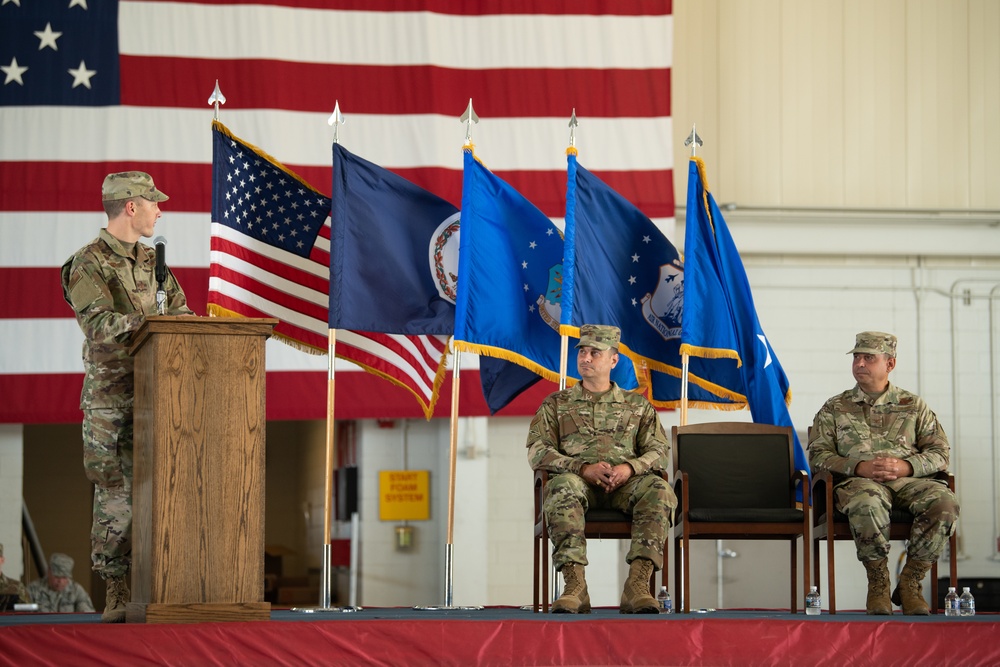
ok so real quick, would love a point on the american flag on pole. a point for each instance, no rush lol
(271, 258)
(89, 87)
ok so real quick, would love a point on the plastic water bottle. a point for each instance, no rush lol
(951, 607)
(813, 602)
(966, 603)
(664, 601)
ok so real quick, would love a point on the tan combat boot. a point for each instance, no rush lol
(118, 596)
(878, 588)
(908, 593)
(574, 599)
(635, 595)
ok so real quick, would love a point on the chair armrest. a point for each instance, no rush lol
(800, 479)
(946, 477)
(822, 492)
(681, 493)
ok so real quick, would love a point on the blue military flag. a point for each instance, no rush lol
(621, 269)
(720, 319)
(510, 278)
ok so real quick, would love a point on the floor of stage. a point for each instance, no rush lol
(507, 636)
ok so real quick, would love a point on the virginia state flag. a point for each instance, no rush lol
(510, 278)
(720, 319)
(392, 268)
(621, 269)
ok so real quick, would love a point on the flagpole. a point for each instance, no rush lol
(693, 140)
(331, 450)
(469, 117)
(326, 576)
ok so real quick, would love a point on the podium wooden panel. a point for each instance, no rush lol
(198, 482)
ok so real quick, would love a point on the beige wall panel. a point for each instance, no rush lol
(811, 104)
(875, 124)
(750, 122)
(848, 104)
(938, 104)
(984, 104)
(694, 85)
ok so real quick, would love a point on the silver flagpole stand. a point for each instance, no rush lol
(449, 550)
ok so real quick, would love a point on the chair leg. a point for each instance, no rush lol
(686, 567)
(830, 566)
(795, 576)
(537, 576)
(815, 561)
(666, 562)
(934, 587)
(545, 573)
(678, 591)
(953, 558)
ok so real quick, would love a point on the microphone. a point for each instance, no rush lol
(160, 244)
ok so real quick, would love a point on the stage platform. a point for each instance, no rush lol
(508, 636)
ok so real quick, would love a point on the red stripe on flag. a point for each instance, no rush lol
(594, 93)
(36, 292)
(306, 308)
(64, 186)
(55, 399)
(271, 265)
(466, 8)
(291, 331)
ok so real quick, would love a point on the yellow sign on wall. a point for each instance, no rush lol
(404, 495)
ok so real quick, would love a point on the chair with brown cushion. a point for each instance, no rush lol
(834, 526)
(600, 524)
(737, 480)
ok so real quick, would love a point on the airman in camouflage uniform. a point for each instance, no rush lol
(883, 446)
(604, 447)
(57, 592)
(11, 586)
(111, 285)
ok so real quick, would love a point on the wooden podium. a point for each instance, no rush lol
(198, 482)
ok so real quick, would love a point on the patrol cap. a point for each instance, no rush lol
(128, 184)
(61, 565)
(874, 342)
(599, 336)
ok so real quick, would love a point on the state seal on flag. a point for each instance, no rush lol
(444, 257)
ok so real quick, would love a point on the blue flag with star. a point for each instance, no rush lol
(720, 319)
(621, 269)
(510, 279)
(59, 53)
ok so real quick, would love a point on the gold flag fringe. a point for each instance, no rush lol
(218, 311)
(428, 408)
(520, 360)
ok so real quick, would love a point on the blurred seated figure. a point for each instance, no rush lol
(12, 591)
(57, 591)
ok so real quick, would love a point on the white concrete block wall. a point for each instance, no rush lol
(11, 481)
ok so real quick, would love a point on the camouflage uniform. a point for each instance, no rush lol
(11, 586)
(851, 428)
(71, 598)
(574, 427)
(111, 293)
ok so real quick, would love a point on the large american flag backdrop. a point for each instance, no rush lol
(96, 86)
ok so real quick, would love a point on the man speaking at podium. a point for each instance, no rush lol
(111, 285)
